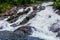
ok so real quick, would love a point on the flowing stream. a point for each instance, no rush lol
(41, 22)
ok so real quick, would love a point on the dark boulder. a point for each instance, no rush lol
(49, 16)
(27, 10)
(35, 8)
(42, 7)
(55, 27)
(24, 30)
(58, 34)
(15, 16)
(58, 12)
(28, 18)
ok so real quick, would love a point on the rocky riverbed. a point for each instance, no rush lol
(35, 22)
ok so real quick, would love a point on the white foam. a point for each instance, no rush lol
(20, 10)
(5, 26)
(48, 3)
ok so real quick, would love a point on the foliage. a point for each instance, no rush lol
(5, 7)
(7, 4)
(57, 4)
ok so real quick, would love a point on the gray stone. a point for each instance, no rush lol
(55, 27)
(24, 30)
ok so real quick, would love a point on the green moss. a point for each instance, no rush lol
(27, 18)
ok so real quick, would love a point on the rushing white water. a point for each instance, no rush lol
(42, 21)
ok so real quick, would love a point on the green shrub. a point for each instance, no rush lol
(5, 7)
(57, 4)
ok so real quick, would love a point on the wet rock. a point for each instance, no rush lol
(27, 10)
(58, 12)
(24, 30)
(49, 16)
(38, 8)
(11, 12)
(42, 7)
(34, 7)
(14, 25)
(55, 27)
(58, 34)
(28, 18)
(14, 17)
(3, 17)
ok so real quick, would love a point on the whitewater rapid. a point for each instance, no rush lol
(42, 21)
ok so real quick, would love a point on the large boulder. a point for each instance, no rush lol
(58, 34)
(24, 30)
(55, 27)
(14, 17)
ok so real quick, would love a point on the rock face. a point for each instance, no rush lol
(58, 12)
(8, 13)
(14, 17)
(58, 35)
(38, 8)
(27, 10)
(24, 30)
(28, 18)
(41, 8)
(56, 28)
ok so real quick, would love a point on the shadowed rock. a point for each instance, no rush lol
(55, 27)
(58, 12)
(24, 30)
(3, 17)
(58, 34)
(36, 8)
(49, 16)
(41, 8)
(11, 12)
(8, 35)
(27, 18)
(27, 10)
(14, 17)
